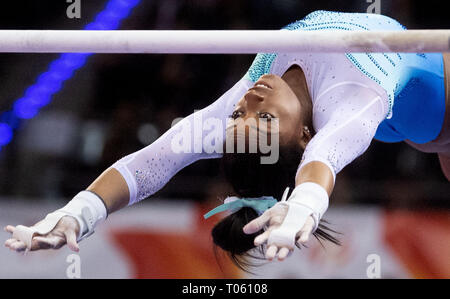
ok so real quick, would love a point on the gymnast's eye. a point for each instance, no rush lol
(236, 114)
(266, 115)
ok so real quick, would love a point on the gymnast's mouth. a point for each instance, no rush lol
(262, 84)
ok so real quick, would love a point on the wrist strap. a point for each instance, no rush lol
(308, 199)
(312, 196)
(86, 207)
(89, 209)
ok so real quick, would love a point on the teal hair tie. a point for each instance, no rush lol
(234, 204)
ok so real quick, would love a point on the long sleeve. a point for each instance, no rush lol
(198, 136)
(346, 118)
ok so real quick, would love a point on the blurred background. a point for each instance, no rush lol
(103, 107)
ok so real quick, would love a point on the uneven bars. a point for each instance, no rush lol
(222, 42)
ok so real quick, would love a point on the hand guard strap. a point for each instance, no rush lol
(307, 199)
(86, 207)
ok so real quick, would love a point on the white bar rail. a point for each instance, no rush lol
(222, 42)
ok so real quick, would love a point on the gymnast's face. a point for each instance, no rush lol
(270, 100)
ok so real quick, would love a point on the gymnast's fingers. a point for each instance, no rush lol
(258, 224)
(51, 242)
(271, 252)
(305, 233)
(71, 240)
(304, 237)
(284, 252)
(9, 229)
(9, 242)
(262, 238)
(18, 246)
(309, 225)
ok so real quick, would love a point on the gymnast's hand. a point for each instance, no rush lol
(272, 219)
(65, 232)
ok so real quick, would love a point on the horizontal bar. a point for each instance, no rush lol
(222, 42)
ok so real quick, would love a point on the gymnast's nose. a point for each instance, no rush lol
(252, 99)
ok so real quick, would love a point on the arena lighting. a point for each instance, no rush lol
(62, 69)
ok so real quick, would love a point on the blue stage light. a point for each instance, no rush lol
(60, 70)
(25, 109)
(6, 134)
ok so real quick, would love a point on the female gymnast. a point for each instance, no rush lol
(325, 109)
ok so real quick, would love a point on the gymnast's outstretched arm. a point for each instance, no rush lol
(132, 178)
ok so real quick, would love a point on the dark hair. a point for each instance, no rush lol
(250, 178)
